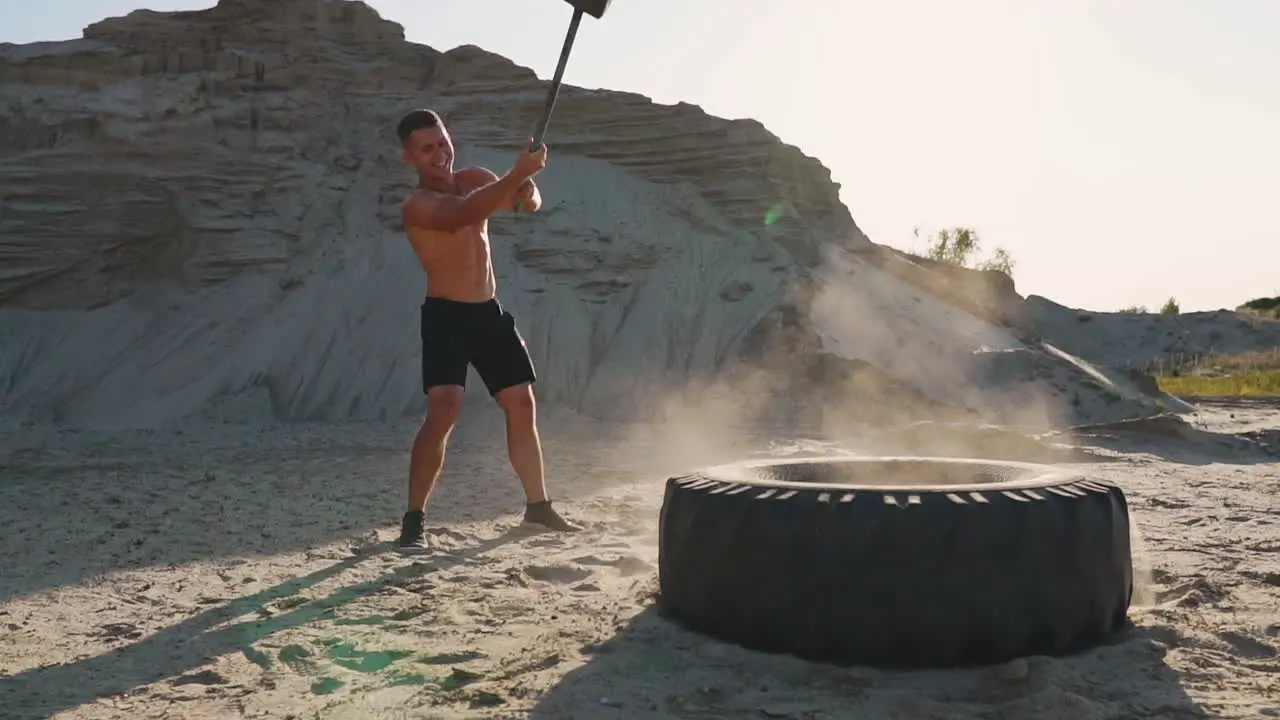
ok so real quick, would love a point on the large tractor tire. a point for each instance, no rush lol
(896, 562)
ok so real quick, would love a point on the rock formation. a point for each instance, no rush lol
(206, 204)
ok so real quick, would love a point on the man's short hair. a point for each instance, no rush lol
(417, 120)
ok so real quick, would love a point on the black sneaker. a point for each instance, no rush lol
(541, 513)
(413, 535)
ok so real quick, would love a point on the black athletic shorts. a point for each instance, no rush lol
(456, 334)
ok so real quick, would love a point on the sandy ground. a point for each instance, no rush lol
(235, 570)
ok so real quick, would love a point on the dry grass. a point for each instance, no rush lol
(1272, 314)
(1251, 374)
(1267, 308)
(1254, 384)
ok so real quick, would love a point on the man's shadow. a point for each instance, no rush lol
(46, 691)
(652, 668)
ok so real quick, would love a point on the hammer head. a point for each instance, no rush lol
(594, 8)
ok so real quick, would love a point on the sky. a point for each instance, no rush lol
(1122, 152)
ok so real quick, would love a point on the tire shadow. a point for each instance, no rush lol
(654, 669)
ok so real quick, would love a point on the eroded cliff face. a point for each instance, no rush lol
(200, 204)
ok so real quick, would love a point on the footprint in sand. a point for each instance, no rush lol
(626, 565)
(1248, 647)
(1266, 577)
(117, 631)
(544, 541)
(1193, 593)
(559, 573)
(631, 526)
(204, 677)
(1166, 634)
(440, 533)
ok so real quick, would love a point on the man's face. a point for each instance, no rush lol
(430, 151)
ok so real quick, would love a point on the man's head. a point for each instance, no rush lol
(426, 144)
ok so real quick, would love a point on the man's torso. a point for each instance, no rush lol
(458, 264)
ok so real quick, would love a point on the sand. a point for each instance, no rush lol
(223, 568)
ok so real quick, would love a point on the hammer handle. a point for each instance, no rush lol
(556, 79)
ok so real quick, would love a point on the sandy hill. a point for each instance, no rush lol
(1123, 339)
(204, 205)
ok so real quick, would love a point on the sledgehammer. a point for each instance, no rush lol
(595, 8)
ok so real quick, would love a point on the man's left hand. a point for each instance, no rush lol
(527, 198)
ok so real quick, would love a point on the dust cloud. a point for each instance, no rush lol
(855, 361)
(1144, 584)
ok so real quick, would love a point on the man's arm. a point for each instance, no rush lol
(528, 190)
(433, 211)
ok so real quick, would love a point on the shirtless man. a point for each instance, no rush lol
(447, 221)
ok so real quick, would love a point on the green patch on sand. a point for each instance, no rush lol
(326, 685)
(257, 657)
(398, 679)
(365, 661)
(290, 654)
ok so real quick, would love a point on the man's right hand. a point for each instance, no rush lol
(529, 162)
